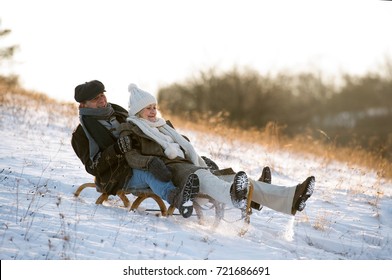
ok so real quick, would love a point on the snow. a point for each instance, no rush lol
(349, 216)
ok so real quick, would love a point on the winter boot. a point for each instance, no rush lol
(302, 193)
(210, 163)
(182, 198)
(266, 178)
(239, 190)
(266, 175)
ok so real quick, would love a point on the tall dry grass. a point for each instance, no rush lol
(20, 102)
(273, 137)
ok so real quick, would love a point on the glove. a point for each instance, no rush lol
(123, 145)
(160, 171)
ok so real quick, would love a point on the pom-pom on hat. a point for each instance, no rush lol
(88, 90)
(139, 99)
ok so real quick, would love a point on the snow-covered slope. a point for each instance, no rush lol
(349, 215)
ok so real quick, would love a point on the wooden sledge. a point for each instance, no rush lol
(143, 194)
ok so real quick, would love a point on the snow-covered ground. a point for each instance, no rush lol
(349, 216)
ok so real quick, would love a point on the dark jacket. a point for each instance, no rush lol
(144, 148)
(110, 169)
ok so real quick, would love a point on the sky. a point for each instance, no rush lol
(154, 43)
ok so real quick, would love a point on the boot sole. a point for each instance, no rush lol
(240, 189)
(189, 194)
(241, 181)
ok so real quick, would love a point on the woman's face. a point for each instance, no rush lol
(149, 113)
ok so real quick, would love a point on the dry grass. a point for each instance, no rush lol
(20, 102)
(322, 222)
(272, 136)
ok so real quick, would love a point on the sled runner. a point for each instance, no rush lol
(140, 194)
(143, 194)
(198, 205)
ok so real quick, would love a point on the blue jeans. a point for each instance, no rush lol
(142, 179)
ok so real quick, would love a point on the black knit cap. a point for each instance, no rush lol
(88, 90)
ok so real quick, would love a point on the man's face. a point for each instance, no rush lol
(99, 101)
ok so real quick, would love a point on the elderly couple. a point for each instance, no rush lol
(136, 148)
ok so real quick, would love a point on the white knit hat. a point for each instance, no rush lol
(139, 99)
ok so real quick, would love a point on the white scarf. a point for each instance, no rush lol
(160, 136)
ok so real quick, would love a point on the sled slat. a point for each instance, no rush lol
(142, 196)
